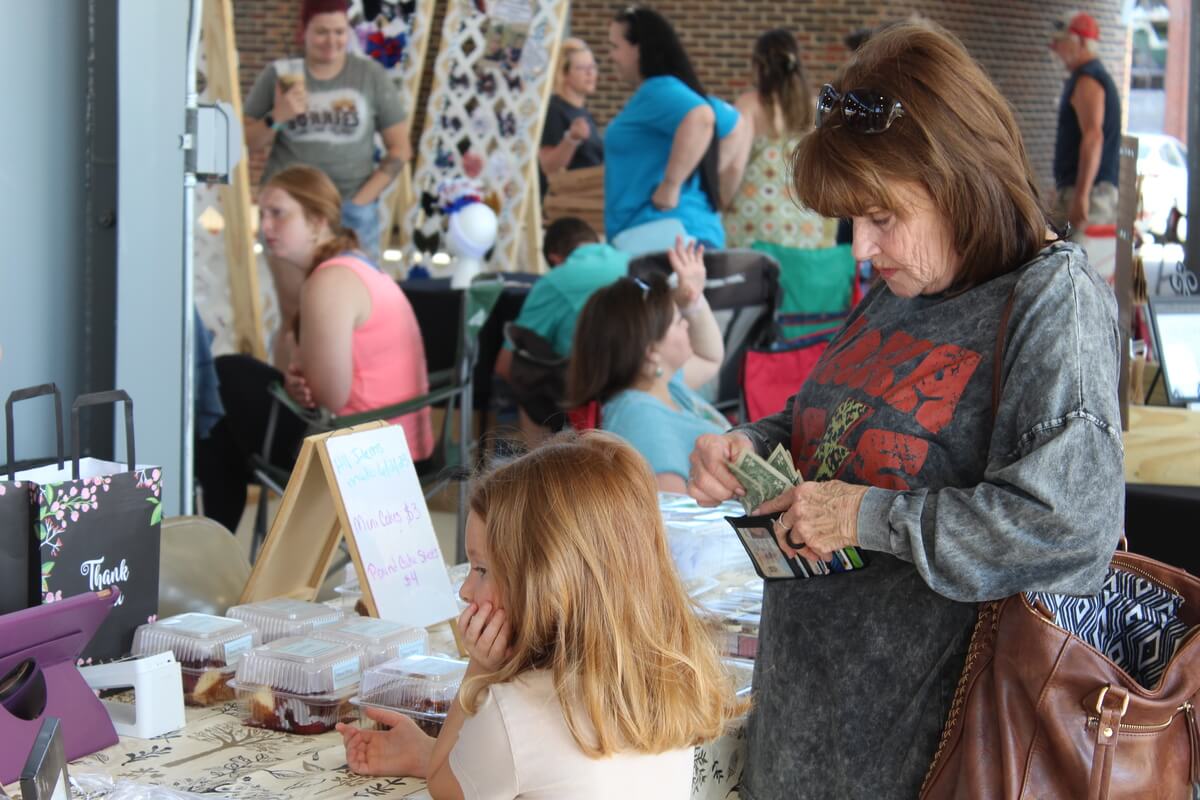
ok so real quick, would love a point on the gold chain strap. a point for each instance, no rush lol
(990, 610)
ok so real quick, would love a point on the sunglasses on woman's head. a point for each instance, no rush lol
(863, 110)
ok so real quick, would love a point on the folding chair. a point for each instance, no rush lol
(585, 417)
(742, 289)
(771, 375)
(817, 290)
(817, 287)
(451, 460)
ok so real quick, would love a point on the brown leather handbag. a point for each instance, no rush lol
(1039, 713)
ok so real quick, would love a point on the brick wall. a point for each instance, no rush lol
(265, 30)
(1009, 38)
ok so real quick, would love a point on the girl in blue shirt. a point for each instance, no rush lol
(672, 151)
(640, 350)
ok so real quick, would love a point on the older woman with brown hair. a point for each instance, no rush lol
(938, 431)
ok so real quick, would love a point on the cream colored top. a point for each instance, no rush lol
(518, 745)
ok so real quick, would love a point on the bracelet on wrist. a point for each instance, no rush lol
(696, 305)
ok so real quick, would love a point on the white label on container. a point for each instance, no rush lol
(345, 673)
(284, 605)
(235, 648)
(199, 625)
(416, 648)
(372, 628)
(308, 648)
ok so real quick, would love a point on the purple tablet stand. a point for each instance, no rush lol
(38, 678)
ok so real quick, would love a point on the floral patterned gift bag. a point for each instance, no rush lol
(97, 525)
(18, 550)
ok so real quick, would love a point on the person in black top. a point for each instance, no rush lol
(1089, 129)
(570, 139)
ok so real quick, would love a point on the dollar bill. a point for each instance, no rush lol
(781, 460)
(761, 481)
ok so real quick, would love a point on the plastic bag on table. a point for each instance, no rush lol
(95, 786)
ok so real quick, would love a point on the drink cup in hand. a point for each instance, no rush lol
(291, 97)
(290, 72)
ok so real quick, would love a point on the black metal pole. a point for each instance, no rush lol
(1192, 248)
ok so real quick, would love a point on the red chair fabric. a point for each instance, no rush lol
(585, 417)
(770, 377)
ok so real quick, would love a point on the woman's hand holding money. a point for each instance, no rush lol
(820, 517)
(710, 482)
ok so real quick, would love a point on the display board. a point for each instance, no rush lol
(493, 76)
(395, 34)
(359, 483)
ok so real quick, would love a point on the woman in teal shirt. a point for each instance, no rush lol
(640, 350)
(672, 150)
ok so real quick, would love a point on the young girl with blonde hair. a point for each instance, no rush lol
(590, 674)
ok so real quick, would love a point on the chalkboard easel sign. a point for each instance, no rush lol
(359, 483)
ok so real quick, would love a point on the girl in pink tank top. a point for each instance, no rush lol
(359, 347)
(387, 355)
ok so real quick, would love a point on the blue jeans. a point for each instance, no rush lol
(364, 220)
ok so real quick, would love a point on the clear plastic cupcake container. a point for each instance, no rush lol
(736, 616)
(282, 617)
(377, 640)
(207, 648)
(348, 593)
(741, 638)
(298, 684)
(420, 687)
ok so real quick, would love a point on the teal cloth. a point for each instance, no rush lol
(663, 435)
(557, 297)
(812, 282)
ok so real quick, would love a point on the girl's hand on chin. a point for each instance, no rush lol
(486, 633)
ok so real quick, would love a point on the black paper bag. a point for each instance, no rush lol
(97, 525)
(19, 560)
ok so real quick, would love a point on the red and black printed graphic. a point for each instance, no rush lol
(845, 445)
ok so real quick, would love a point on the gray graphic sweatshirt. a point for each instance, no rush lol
(856, 671)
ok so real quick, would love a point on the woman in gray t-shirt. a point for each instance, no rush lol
(969, 452)
(324, 110)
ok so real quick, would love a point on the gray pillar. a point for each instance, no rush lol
(151, 47)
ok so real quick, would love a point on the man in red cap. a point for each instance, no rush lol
(1089, 129)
